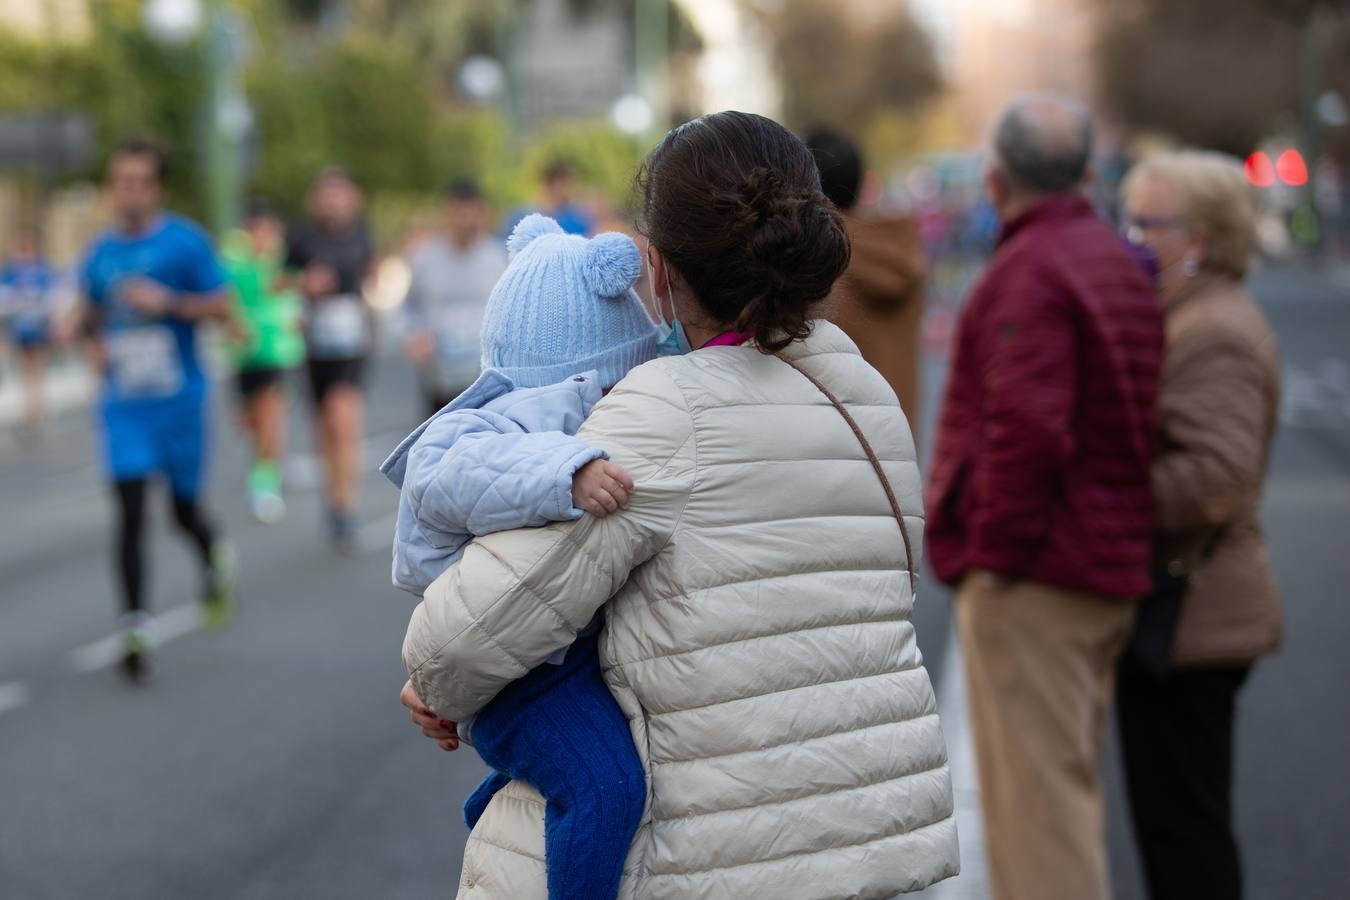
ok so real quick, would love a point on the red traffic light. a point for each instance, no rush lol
(1291, 168)
(1260, 170)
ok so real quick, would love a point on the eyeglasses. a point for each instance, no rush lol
(1136, 227)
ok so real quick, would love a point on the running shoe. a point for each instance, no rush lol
(343, 530)
(218, 594)
(138, 646)
(264, 493)
(266, 507)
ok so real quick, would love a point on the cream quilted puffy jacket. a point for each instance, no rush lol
(758, 637)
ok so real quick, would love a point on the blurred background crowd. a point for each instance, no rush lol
(252, 99)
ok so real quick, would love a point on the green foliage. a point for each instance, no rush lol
(127, 84)
(604, 158)
(844, 68)
(366, 99)
(359, 103)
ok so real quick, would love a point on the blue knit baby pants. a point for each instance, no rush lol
(559, 729)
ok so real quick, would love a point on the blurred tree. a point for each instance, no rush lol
(442, 34)
(605, 159)
(329, 82)
(847, 66)
(1218, 73)
(439, 33)
(124, 80)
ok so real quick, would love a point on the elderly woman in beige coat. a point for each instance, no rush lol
(1218, 409)
(757, 590)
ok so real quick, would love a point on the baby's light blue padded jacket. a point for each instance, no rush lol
(496, 457)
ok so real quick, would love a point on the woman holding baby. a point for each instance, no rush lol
(749, 598)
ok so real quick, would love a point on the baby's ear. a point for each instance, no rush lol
(612, 263)
(527, 229)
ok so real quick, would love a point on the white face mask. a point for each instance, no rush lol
(670, 337)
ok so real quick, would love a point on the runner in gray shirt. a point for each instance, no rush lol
(452, 274)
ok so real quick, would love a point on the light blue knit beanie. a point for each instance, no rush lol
(566, 305)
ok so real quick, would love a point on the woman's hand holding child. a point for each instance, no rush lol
(442, 731)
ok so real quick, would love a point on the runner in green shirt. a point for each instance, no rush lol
(270, 344)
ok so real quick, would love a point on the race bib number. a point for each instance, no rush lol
(30, 314)
(338, 328)
(143, 362)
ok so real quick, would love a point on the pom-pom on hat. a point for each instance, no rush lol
(565, 305)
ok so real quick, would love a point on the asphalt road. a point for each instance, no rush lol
(272, 760)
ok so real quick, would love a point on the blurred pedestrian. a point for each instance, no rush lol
(29, 287)
(270, 346)
(879, 300)
(452, 274)
(1039, 505)
(756, 590)
(560, 178)
(331, 255)
(1218, 410)
(150, 281)
(558, 182)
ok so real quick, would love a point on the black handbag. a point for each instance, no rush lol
(1155, 623)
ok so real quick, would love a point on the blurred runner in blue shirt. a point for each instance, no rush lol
(28, 296)
(150, 282)
(28, 283)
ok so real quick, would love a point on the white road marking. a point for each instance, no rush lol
(13, 694)
(170, 626)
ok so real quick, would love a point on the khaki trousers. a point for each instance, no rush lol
(1041, 662)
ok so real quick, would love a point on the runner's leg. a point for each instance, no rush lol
(269, 410)
(183, 449)
(130, 537)
(33, 368)
(137, 639)
(341, 416)
(335, 387)
(341, 422)
(265, 416)
(188, 516)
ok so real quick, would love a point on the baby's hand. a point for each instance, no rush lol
(600, 487)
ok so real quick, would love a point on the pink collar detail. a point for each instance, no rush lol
(729, 339)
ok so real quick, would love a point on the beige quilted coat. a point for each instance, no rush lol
(758, 637)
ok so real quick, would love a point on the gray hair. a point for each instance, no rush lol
(1043, 143)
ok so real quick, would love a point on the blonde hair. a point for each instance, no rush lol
(1215, 198)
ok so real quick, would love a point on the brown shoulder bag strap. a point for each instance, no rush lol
(872, 457)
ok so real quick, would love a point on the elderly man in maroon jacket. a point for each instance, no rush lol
(1039, 504)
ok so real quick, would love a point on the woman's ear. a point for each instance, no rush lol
(663, 276)
(656, 267)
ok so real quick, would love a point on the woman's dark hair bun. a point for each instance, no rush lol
(758, 197)
(733, 202)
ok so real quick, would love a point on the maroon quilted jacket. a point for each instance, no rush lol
(1042, 462)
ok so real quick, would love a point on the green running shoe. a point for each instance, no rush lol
(264, 493)
(218, 597)
(138, 646)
